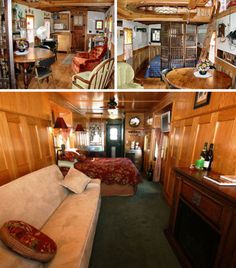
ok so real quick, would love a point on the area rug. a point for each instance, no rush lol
(68, 59)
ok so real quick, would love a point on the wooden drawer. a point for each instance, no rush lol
(205, 204)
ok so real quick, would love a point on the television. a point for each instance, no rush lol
(165, 122)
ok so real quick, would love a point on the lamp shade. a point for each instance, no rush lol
(60, 123)
(79, 127)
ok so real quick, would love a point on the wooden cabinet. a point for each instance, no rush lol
(62, 21)
(202, 226)
(64, 41)
(7, 71)
(178, 45)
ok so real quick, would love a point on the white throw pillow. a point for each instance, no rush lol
(75, 181)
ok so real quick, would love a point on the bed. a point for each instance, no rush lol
(119, 176)
(154, 68)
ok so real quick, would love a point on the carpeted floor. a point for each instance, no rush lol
(130, 231)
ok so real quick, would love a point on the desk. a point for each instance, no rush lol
(184, 78)
(35, 54)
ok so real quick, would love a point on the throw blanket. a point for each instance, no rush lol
(154, 68)
(110, 170)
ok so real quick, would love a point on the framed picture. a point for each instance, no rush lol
(155, 35)
(201, 99)
(99, 25)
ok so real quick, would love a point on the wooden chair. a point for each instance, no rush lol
(43, 70)
(52, 45)
(99, 78)
(163, 77)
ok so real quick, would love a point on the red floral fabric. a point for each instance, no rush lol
(110, 170)
(30, 237)
(83, 62)
(72, 156)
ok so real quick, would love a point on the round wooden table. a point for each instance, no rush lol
(184, 78)
(34, 54)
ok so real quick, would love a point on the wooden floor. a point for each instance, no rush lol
(63, 72)
(150, 83)
(62, 75)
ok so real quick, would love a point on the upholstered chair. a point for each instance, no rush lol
(87, 61)
(99, 78)
(125, 77)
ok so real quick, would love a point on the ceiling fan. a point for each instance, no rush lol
(112, 104)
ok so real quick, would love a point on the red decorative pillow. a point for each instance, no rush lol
(67, 156)
(28, 241)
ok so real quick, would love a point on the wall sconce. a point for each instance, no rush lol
(60, 132)
(60, 123)
(79, 127)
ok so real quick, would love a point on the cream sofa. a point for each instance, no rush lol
(69, 219)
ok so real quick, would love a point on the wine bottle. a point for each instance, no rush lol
(204, 151)
(209, 158)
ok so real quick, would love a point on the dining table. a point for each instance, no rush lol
(28, 59)
(189, 78)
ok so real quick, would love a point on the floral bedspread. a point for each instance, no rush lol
(110, 170)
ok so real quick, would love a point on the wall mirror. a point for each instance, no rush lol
(134, 121)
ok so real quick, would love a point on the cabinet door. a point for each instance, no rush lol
(18, 144)
(204, 133)
(172, 160)
(6, 160)
(225, 142)
(187, 142)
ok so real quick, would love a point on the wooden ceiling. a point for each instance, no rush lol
(194, 11)
(62, 5)
(89, 103)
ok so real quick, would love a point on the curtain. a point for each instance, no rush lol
(159, 140)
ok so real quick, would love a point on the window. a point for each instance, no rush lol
(47, 24)
(99, 24)
(30, 28)
(96, 134)
(156, 151)
(212, 48)
(128, 45)
(113, 134)
(155, 35)
(128, 36)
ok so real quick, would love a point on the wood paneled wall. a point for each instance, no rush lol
(25, 138)
(142, 56)
(214, 123)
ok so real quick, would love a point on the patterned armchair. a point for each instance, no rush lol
(87, 61)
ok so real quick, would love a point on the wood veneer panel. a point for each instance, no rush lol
(17, 144)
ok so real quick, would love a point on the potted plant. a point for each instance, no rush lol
(203, 66)
(22, 45)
